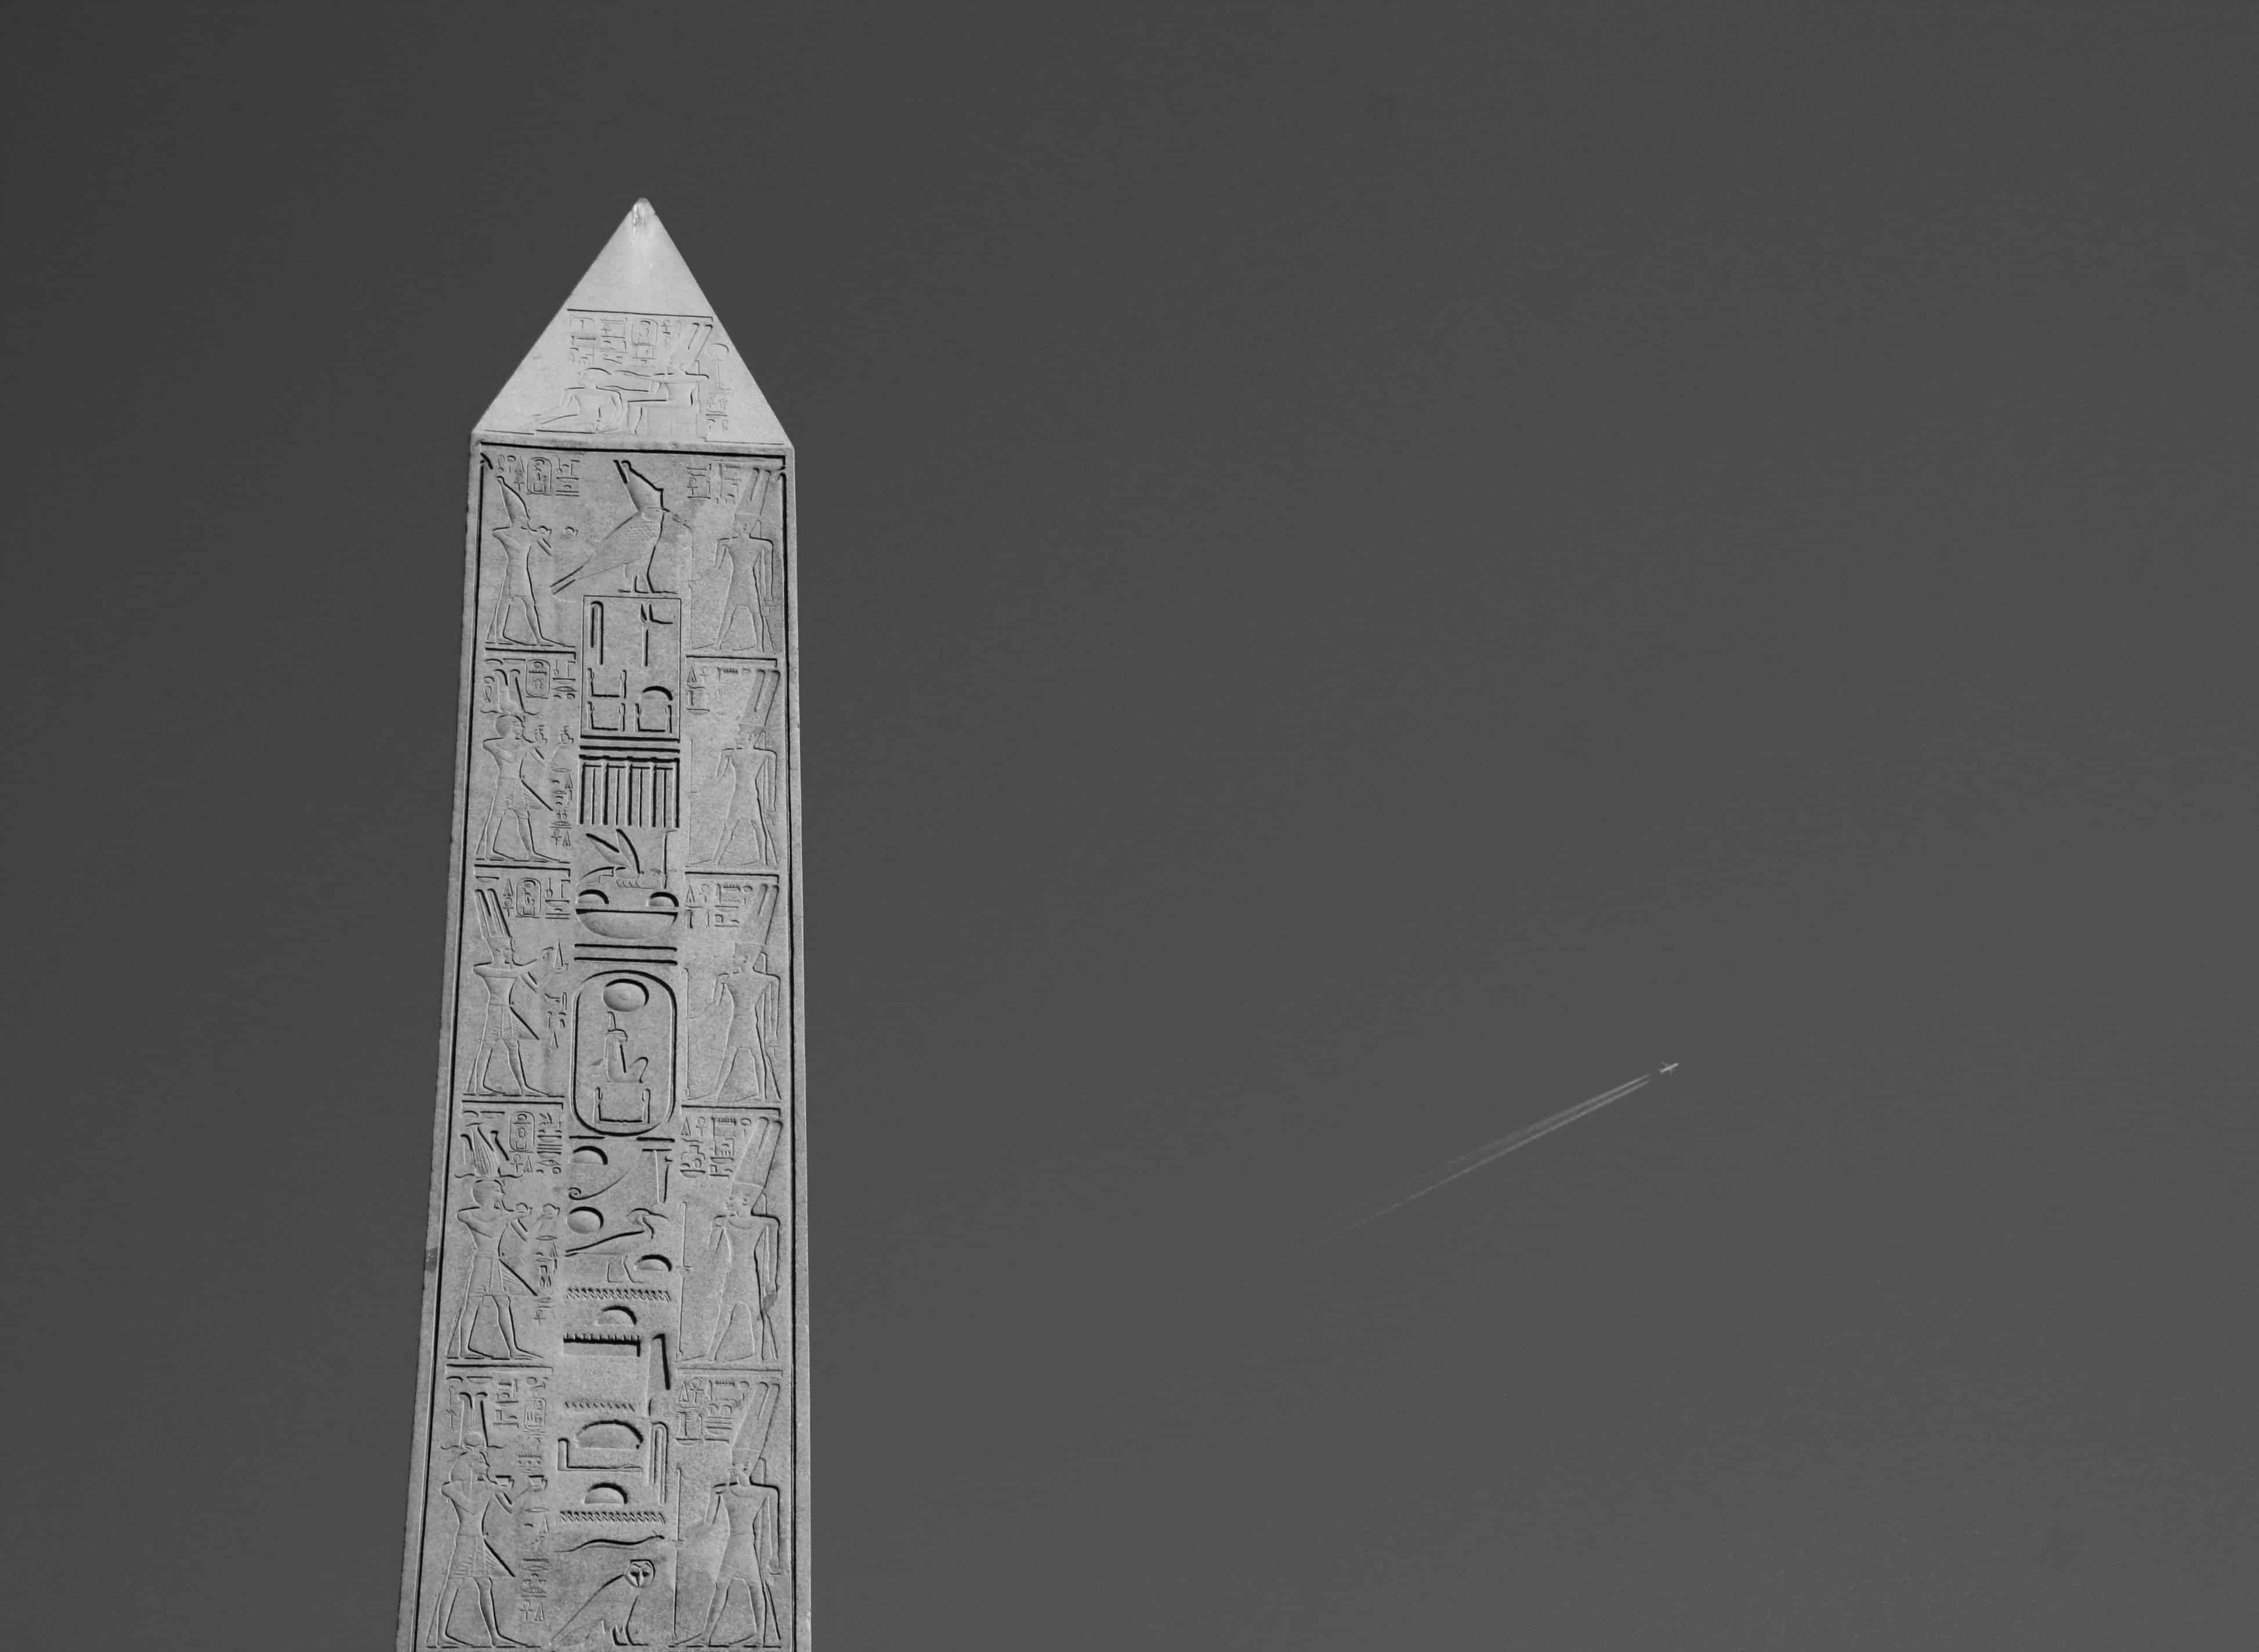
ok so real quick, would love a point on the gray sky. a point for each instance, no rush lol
(1365, 575)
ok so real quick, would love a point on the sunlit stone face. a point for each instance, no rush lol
(612, 1435)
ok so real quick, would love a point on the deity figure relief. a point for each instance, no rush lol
(753, 1510)
(520, 779)
(475, 1560)
(498, 1064)
(747, 774)
(524, 542)
(740, 800)
(737, 1273)
(503, 1028)
(745, 608)
(753, 1035)
(485, 1317)
(748, 607)
(743, 1266)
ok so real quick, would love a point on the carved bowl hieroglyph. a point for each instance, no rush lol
(631, 923)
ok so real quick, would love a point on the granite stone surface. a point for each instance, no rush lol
(611, 1437)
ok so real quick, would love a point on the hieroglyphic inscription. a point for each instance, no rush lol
(610, 1442)
(655, 377)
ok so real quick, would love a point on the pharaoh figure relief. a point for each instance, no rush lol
(611, 1444)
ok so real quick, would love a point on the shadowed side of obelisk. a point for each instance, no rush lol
(612, 1404)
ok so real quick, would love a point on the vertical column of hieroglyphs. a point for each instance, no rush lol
(610, 1449)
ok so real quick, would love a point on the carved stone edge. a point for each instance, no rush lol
(603, 443)
(803, 1589)
(442, 1119)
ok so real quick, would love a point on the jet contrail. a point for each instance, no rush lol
(1467, 1164)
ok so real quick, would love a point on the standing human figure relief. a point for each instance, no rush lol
(486, 1299)
(737, 1275)
(520, 781)
(745, 786)
(505, 1025)
(752, 1038)
(743, 1256)
(518, 617)
(713, 510)
(473, 1490)
(753, 1510)
(751, 552)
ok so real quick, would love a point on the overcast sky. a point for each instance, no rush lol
(1367, 572)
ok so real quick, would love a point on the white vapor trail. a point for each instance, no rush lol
(1467, 1164)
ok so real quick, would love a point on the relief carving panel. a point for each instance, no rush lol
(610, 1445)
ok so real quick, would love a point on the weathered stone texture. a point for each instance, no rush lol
(612, 1415)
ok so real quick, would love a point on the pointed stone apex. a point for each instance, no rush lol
(637, 355)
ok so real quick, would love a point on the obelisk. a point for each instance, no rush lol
(611, 1423)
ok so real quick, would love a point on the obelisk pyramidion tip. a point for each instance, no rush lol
(637, 355)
